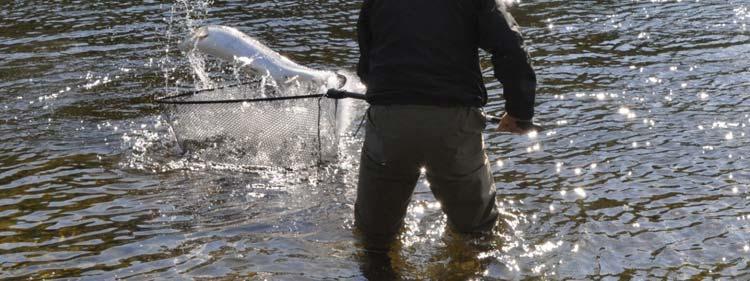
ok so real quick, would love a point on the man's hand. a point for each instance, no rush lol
(514, 125)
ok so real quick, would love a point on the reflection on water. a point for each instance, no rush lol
(642, 173)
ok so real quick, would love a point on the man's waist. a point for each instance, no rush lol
(436, 98)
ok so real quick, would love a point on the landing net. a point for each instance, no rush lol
(223, 125)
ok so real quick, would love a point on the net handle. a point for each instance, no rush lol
(331, 93)
(339, 94)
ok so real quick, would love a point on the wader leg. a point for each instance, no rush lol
(388, 174)
(460, 177)
(468, 200)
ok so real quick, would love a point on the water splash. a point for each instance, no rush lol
(198, 65)
(509, 3)
(184, 17)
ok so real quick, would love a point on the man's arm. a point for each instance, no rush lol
(499, 35)
(363, 38)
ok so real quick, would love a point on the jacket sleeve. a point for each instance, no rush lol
(363, 38)
(499, 35)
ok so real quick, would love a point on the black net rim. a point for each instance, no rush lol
(178, 98)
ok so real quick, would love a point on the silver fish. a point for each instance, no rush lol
(230, 44)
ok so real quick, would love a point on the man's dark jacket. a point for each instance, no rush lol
(426, 52)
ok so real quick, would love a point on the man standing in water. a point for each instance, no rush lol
(420, 62)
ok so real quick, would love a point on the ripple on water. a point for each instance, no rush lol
(641, 174)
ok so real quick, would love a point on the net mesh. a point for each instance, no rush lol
(223, 125)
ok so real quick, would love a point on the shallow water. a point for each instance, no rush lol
(641, 174)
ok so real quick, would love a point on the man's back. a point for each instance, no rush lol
(422, 50)
(426, 52)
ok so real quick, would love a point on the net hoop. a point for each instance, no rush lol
(177, 99)
(287, 131)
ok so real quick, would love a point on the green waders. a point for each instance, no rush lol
(447, 142)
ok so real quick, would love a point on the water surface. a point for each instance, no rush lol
(641, 175)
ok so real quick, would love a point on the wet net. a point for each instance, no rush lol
(223, 125)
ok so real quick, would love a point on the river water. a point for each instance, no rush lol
(642, 172)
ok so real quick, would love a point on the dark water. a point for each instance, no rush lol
(641, 175)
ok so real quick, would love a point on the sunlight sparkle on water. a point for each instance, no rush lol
(419, 209)
(535, 147)
(543, 248)
(627, 112)
(654, 80)
(580, 192)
